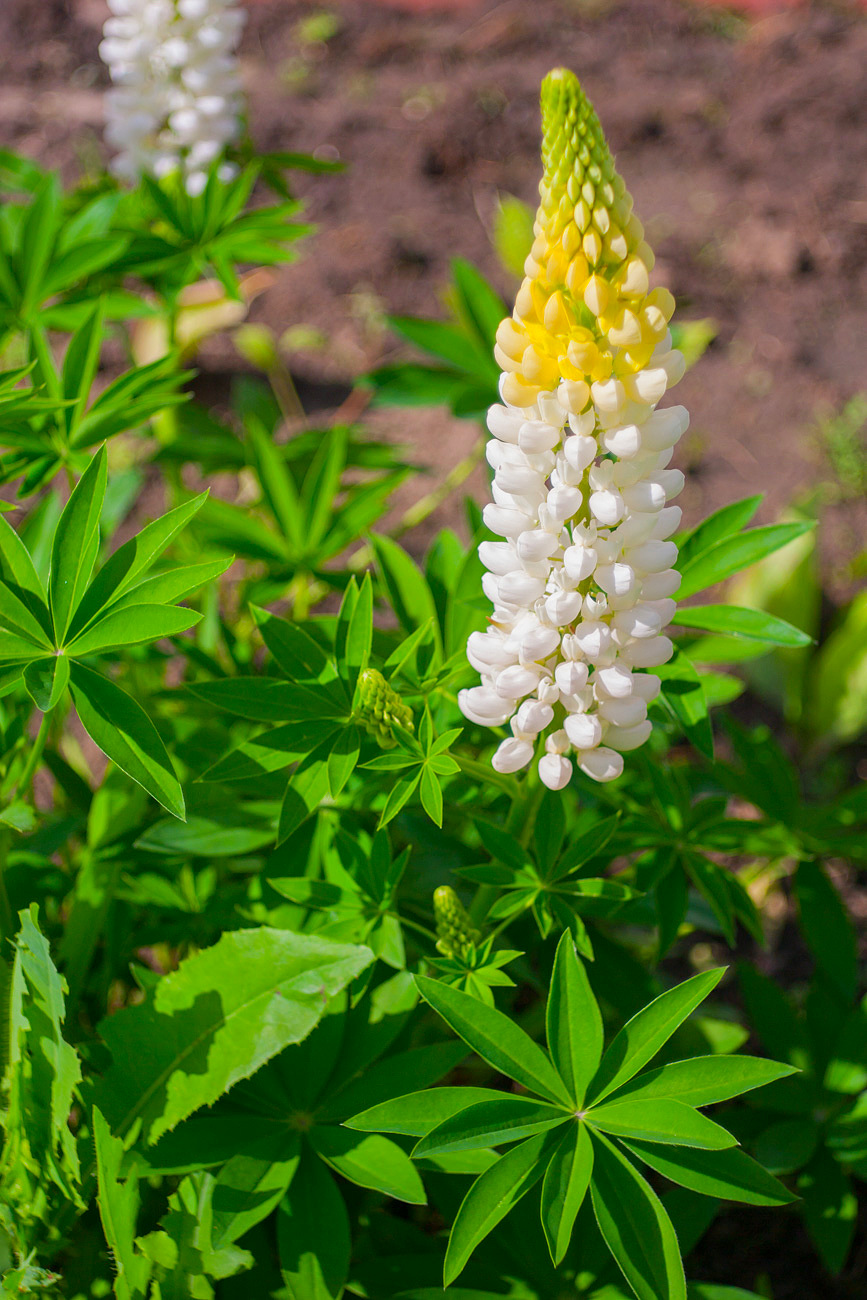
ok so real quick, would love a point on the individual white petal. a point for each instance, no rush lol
(512, 755)
(547, 691)
(515, 681)
(643, 620)
(649, 653)
(606, 506)
(652, 556)
(624, 441)
(615, 681)
(498, 557)
(563, 607)
(534, 436)
(536, 544)
(583, 729)
(580, 450)
(539, 644)
(579, 562)
(623, 713)
(624, 739)
(557, 743)
(486, 651)
(594, 638)
(504, 423)
(646, 495)
(600, 764)
(672, 481)
(563, 503)
(617, 579)
(520, 588)
(555, 771)
(533, 717)
(647, 685)
(571, 676)
(520, 479)
(667, 522)
(482, 705)
(658, 585)
(506, 522)
(665, 427)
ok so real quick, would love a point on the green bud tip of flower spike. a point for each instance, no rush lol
(455, 931)
(380, 708)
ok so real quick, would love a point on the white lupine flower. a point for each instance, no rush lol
(582, 585)
(176, 100)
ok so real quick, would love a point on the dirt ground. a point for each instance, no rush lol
(744, 144)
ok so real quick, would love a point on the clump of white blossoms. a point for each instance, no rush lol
(582, 585)
(176, 98)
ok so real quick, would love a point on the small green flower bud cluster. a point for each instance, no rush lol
(456, 933)
(380, 708)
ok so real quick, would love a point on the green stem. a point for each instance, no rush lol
(431, 501)
(26, 778)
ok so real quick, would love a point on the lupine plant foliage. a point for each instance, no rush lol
(303, 996)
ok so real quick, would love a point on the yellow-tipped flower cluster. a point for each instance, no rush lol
(585, 312)
(582, 583)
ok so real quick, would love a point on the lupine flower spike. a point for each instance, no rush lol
(582, 585)
(176, 99)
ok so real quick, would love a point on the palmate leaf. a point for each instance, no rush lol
(217, 1019)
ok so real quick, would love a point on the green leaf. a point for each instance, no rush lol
(41, 1076)
(734, 553)
(635, 1227)
(126, 735)
(650, 1029)
(408, 592)
(683, 695)
(218, 1018)
(267, 699)
(308, 786)
(499, 1119)
(512, 233)
(18, 618)
(573, 1021)
(703, 1080)
(73, 551)
(660, 1120)
(276, 482)
(298, 656)
(46, 681)
(492, 1196)
(369, 1161)
(826, 926)
(496, 1038)
(133, 626)
(118, 1210)
(721, 524)
(126, 568)
(17, 565)
(566, 1181)
(753, 624)
(731, 1175)
(313, 1238)
(418, 1112)
(830, 1209)
(343, 758)
(480, 307)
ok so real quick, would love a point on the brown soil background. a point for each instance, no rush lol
(744, 144)
(745, 147)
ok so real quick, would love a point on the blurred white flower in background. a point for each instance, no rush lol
(176, 100)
